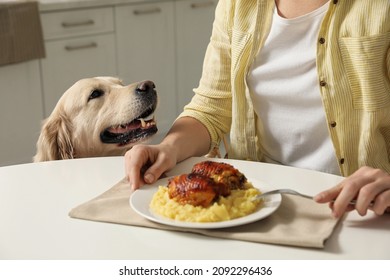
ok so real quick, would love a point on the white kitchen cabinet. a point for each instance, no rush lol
(146, 51)
(79, 44)
(72, 59)
(72, 23)
(20, 111)
(194, 19)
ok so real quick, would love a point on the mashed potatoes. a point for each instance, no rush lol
(238, 204)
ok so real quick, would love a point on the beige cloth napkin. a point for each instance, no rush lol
(21, 36)
(297, 222)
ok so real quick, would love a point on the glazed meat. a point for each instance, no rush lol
(195, 189)
(222, 173)
(207, 181)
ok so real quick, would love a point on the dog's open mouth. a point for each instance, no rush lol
(138, 129)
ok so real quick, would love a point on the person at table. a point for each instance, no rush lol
(304, 83)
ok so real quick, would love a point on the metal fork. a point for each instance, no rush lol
(290, 191)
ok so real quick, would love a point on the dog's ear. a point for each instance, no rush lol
(55, 140)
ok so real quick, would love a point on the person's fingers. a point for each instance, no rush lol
(349, 189)
(372, 194)
(368, 186)
(382, 203)
(328, 195)
(135, 160)
(161, 164)
(349, 208)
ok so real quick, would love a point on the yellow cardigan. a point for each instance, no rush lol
(353, 64)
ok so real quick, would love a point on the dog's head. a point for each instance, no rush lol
(98, 117)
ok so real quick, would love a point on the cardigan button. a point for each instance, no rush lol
(342, 160)
(333, 124)
(335, 1)
(321, 41)
(322, 83)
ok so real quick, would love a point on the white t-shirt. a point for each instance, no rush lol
(286, 96)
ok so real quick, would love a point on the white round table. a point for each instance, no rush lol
(35, 200)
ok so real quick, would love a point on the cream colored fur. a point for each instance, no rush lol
(73, 128)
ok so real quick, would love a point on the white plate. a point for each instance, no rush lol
(141, 199)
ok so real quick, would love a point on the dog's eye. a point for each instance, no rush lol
(95, 94)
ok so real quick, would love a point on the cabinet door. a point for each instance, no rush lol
(194, 19)
(146, 51)
(80, 22)
(20, 112)
(68, 61)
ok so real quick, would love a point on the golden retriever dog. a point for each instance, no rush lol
(98, 117)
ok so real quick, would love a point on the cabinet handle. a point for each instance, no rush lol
(147, 11)
(79, 47)
(202, 5)
(78, 23)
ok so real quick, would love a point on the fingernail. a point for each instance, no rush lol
(317, 197)
(149, 178)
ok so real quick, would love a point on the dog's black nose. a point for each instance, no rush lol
(145, 87)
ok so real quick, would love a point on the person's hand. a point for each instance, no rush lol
(146, 163)
(370, 187)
